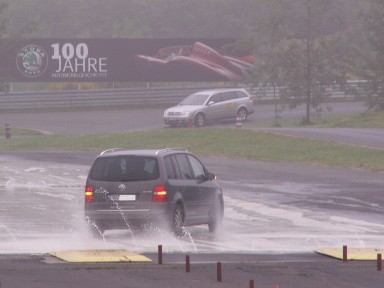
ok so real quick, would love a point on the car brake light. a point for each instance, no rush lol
(160, 194)
(89, 196)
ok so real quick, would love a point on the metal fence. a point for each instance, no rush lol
(96, 98)
(122, 97)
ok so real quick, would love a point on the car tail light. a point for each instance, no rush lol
(89, 196)
(160, 194)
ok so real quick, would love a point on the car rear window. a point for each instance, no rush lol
(124, 168)
(241, 94)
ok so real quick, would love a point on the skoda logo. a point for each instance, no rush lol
(121, 187)
(32, 61)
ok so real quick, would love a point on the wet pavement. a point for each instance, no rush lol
(237, 270)
(269, 208)
(276, 215)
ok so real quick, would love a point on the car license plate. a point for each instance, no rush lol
(127, 198)
(115, 197)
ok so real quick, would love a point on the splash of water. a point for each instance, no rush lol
(188, 234)
(105, 192)
(9, 232)
(10, 184)
(126, 223)
(93, 226)
(12, 235)
(360, 241)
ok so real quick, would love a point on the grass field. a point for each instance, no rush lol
(232, 143)
(359, 120)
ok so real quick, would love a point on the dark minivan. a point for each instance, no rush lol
(141, 188)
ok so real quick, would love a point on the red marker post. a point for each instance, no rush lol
(7, 131)
(160, 254)
(345, 253)
(187, 264)
(219, 278)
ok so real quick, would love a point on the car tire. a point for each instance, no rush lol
(199, 120)
(242, 114)
(178, 219)
(215, 217)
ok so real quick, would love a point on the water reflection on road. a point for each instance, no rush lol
(41, 211)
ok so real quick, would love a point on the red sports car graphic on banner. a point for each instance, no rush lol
(197, 62)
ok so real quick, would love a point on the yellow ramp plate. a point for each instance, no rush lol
(352, 253)
(82, 256)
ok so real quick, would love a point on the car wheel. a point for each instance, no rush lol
(242, 114)
(199, 120)
(215, 217)
(178, 221)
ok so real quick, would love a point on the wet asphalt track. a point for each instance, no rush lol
(130, 119)
(237, 271)
(295, 208)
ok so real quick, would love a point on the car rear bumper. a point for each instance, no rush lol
(125, 219)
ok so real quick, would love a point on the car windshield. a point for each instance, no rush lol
(125, 168)
(195, 99)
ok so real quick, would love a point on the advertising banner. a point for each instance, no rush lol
(121, 60)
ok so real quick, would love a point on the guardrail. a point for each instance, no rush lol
(119, 97)
(96, 98)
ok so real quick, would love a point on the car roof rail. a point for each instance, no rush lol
(111, 150)
(165, 150)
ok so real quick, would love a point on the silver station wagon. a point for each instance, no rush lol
(210, 105)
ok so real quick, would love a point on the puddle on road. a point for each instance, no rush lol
(42, 212)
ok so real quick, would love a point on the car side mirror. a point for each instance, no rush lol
(211, 176)
(210, 103)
